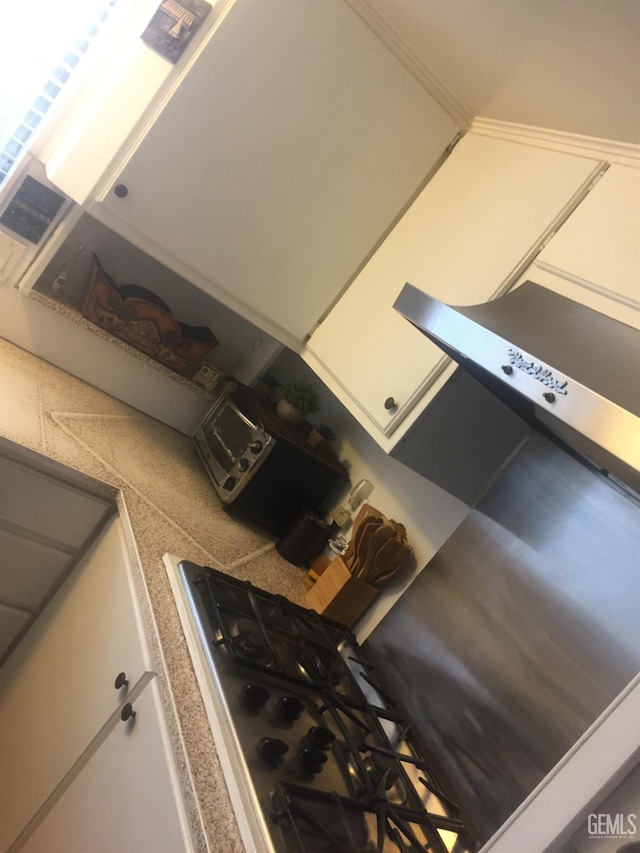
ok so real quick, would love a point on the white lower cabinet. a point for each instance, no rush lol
(58, 697)
(123, 800)
(473, 229)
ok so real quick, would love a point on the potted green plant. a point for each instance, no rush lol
(298, 400)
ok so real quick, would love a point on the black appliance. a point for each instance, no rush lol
(316, 756)
(262, 468)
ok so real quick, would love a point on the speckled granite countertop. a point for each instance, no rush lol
(76, 317)
(167, 504)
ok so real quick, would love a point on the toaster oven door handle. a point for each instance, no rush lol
(244, 407)
(252, 424)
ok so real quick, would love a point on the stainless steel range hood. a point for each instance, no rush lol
(558, 364)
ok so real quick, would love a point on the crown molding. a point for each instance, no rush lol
(613, 151)
(415, 64)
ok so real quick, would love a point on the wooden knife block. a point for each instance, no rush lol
(338, 595)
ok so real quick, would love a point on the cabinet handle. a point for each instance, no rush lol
(121, 190)
(127, 712)
(390, 404)
(121, 681)
(549, 396)
(506, 368)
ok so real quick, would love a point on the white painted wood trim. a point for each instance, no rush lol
(251, 822)
(415, 64)
(623, 153)
(49, 249)
(30, 167)
(581, 780)
(385, 441)
(588, 285)
(176, 752)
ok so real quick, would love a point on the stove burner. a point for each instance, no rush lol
(321, 665)
(384, 776)
(376, 778)
(247, 638)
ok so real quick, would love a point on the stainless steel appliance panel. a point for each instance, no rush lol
(520, 631)
(553, 360)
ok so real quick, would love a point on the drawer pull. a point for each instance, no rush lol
(121, 681)
(127, 712)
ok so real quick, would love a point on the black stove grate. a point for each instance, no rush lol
(270, 635)
(322, 822)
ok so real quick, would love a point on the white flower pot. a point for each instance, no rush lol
(289, 413)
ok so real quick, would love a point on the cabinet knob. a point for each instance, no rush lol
(121, 681)
(390, 404)
(121, 190)
(549, 396)
(506, 368)
(127, 712)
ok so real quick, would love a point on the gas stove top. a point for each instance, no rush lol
(316, 756)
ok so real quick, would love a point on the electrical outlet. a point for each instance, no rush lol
(10, 253)
(341, 515)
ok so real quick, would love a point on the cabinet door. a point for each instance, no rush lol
(124, 799)
(57, 688)
(474, 226)
(596, 253)
(285, 153)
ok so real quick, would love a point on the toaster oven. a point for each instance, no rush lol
(262, 468)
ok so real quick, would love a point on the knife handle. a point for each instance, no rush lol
(364, 512)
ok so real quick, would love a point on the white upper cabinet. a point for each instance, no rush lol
(475, 226)
(595, 256)
(285, 153)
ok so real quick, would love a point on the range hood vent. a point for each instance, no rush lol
(558, 364)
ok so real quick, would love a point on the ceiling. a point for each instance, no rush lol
(569, 65)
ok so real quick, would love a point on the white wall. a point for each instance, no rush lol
(60, 341)
(128, 265)
(429, 513)
(102, 108)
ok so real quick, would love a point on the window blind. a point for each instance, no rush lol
(19, 135)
